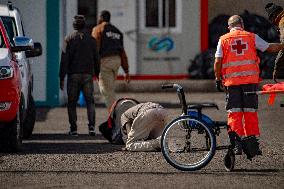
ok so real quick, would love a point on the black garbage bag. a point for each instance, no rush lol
(202, 66)
(266, 64)
(217, 28)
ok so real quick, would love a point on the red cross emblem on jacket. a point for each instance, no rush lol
(239, 47)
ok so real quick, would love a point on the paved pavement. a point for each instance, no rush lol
(51, 159)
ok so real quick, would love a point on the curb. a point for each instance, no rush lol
(156, 85)
(190, 85)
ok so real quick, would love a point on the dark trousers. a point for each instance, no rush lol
(236, 98)
(75, 84)
(279, 64)
(242, 110)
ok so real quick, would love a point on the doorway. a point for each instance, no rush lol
(89, 10)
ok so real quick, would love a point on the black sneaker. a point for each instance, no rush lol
(73, 133)
(92, 131)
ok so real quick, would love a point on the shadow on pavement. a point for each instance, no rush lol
(264, 172)
(41, 113)
(64, 144)
(257, 170)
(68, 148)
(60, 136)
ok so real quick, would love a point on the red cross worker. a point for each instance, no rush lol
(237, 65)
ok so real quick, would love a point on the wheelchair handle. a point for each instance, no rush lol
(167, 86)
(171, 85)
(180, 93)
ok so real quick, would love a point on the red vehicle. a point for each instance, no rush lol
(11, 128)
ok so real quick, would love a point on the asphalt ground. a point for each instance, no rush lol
(51, 159)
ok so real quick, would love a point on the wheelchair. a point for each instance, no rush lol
(189, 141)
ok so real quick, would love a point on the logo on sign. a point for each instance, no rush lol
(162, 44)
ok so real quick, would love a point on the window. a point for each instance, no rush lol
(10, 27)
(89, 10)
(2, 43)
(160, 15)
(172, 13)
(152, 13)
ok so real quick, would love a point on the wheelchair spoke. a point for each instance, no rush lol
(186, 144)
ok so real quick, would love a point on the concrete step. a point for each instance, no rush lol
(189, 85)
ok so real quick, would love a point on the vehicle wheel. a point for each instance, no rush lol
(229, 160)
(29, 122)
(12, 135)
(184, 145)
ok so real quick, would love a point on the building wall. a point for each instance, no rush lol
(186, 41)
(127, 15)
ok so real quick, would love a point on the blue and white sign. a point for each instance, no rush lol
(161, 44)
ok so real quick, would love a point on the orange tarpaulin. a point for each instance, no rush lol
(272, 89)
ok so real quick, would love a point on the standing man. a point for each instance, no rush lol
(110, 45)
(276, 17)
(237, 63)
(79, 60)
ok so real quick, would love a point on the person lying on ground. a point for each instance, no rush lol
(140, 126)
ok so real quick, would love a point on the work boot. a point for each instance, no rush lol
(236, 142)
(238, 148)
(251, 147)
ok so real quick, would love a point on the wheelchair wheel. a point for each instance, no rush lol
(229, 160)
(185, 143)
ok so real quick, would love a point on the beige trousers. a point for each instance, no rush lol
(107, 77)
(146, 130)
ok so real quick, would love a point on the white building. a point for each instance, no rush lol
(160, 36)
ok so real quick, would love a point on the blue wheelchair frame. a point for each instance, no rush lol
(194, 110)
